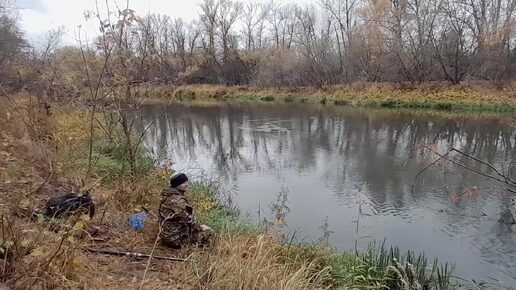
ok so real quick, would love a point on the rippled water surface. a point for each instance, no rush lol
(329, 158)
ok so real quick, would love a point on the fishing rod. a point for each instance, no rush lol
(134, 255)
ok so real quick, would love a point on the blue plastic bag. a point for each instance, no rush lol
(137, 221)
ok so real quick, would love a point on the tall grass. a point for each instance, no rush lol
(253, 262)
(378, 268)
(400, 270)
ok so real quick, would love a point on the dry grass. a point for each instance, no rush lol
(39, 158)
(254, 262)
(437, 96)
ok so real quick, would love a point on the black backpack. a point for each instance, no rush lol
(66, 205)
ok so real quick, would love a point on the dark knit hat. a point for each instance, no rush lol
(178, 179)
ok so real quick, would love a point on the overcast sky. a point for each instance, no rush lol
(39, 16)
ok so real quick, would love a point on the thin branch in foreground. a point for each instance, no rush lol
(501, 179)
(506, 178)
(424, 169)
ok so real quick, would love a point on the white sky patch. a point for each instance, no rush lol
(40, 16)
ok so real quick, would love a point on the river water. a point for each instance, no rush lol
(332, 160)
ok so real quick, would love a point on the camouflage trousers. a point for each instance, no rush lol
(176, 235)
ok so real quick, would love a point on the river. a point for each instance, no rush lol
(332, 160)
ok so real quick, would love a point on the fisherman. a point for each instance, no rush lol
(178, 226)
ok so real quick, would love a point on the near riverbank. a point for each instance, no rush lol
(49, 151)
(432, 96)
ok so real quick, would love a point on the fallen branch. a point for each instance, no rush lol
(134, 255)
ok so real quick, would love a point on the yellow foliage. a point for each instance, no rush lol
(72, 127)
(164, 173)
(24, 72)
(39, 252)
(81, 224)
(79, 262)
(71, 240)
(203, 204)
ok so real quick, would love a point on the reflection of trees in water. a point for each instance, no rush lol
(344, 146)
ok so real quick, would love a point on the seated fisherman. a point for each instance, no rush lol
(177, 217)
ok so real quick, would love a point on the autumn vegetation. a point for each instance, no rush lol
(397, 53)
(68, 123)
(47, 153)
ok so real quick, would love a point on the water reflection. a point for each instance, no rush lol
(323, 154)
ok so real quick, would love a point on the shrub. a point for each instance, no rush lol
(268, 98)
(443, 106)
(341, 102)
(288, 99)
(184, 94)
(390, 103)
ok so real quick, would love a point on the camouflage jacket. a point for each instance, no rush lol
(175, 207)
(176, 217)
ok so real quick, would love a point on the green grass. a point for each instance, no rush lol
(110, 160)
(216, 213)
(412, 104)
(378, 268)
(223, 219)
(268, 98)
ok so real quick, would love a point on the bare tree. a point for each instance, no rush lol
(210, 11)
(11, 38)
(453, 42)
(422, 21)
(344, 14)
(337, 41)
(254, 16)
(125, 47)
(226, 18)
(283, 21)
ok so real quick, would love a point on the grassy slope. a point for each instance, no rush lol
(436, 96)
(244, 257)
